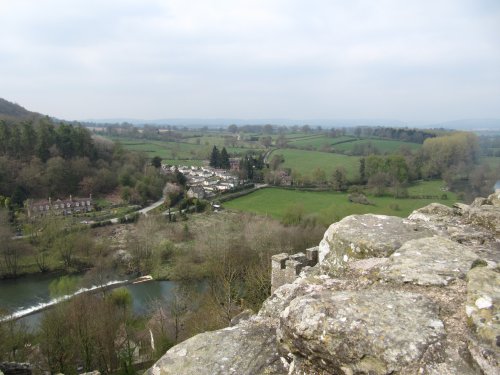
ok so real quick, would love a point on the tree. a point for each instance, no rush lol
(362, 170)
(319, 176)
(275, 162)
(215, 158)
(10, 250)
(339, 179)
(156, 162)
(55, 340)
(266, 141)
(224, 159)
(281, 141)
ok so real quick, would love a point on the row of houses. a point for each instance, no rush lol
(68, 206)
(206, 181)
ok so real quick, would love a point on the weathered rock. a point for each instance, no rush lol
(249, 348)
(483, 305)
(342, 317)
(366, 236)
(244, 315)
(364, 266)
(494, 199)
(429, 261)
(281, 298)
(436, 217)
(365, 332)
(487, 216)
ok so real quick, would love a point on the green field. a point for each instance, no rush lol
(319, 141)
(305, 162)
(181, 152)
(332, 206)
(383, 145)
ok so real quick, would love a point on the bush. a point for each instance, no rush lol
(358, 198)
(293, 214)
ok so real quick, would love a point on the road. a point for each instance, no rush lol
(143, 211)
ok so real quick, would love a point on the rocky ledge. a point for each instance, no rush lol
(389, 296)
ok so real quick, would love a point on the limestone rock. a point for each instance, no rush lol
(249, 348)
(494, 199)
(364, 332)
(366, 236)
(388, 297)
(429, 261)
(483, 305)
(244, 315)
(281, 298)
(487, 216)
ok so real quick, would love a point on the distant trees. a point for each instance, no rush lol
(450, 151)
(219, 159)
(381, 172)
(251, 167)
(40, 158)
(401, 134)
(266, 141)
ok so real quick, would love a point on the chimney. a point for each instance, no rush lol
(70, 198)
(90, 196)
(50, 201)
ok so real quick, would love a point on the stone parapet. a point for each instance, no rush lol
(286, 268)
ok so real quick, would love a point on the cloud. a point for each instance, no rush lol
(193, 58)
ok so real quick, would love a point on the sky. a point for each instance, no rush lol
(412, 60)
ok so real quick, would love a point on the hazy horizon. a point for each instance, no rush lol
(417, 62)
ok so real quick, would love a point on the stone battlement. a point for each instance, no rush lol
(286, 268)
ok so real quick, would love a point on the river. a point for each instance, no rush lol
(32, 292)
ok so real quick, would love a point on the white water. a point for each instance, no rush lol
(41, 306)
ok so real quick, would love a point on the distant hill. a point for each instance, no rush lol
(15, 111)
(470, 124)
(218, 122)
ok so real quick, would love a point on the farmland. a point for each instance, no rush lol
(319, 141)
(331, 206)
(305, 162)
(186, 153)
(383, 145)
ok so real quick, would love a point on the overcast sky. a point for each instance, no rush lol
(413, 60)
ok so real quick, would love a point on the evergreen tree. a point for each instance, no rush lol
(224, 159)
(215, 158)
(362, 170)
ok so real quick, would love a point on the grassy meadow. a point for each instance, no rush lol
(305, 162)
(383, 145)
(333, 206)
(185, 153)
(319, 141)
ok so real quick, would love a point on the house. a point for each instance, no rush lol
(59, 207)
(197, 192)
(235, 164)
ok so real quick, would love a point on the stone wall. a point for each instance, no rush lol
(388, 295)
(286, 268)
(14, 368)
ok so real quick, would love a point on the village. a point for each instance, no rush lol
(206, 182)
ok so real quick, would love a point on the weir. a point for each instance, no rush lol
(53, 302)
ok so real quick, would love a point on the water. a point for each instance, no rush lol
(28, 294)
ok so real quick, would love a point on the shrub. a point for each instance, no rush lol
(358, 198)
